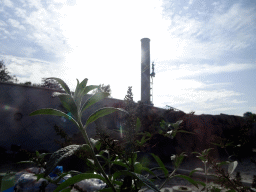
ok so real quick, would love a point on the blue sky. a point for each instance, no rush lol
(204, 50)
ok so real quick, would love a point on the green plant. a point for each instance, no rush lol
(4, 74)
(204, 158)
(72, 102)
(222, 176)
(103, 88)
(177, 160)
(38, 159)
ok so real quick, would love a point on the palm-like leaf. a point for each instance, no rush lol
(62, 83)
(69, 104)
(50, 111)
(61, 154)
(101, 113)
(94, 99)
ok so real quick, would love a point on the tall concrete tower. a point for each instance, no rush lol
(145, 70)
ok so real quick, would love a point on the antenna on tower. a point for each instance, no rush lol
(152, 74)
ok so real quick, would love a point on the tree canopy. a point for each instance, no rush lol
(4, 74)
(103, 88)
(51, 84)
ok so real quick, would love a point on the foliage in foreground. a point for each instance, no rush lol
(72, 102)
(131, 177)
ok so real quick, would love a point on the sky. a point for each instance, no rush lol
(203, 50)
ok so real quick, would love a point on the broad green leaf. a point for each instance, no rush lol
(223, 163)
(179, 159)
(206, 151)
(229, 144)
(78, 178)
(120, 163)
(195, 170)
(60, 177)
(22, 162)
(79, 90)
(148, 170)
(101, 113)
(87, 89)
(49, 111)
(69, 104)
(138, 167)
(145, 180)
(76, 92)
(82, 86)
(192, 181)
(183, 131)
(61, 154)
(232, 166)
(94, 99)
(96, 143)
(39, 176)
(143, 140)
(138, 125)
(103, 151)
(160, 163)
(216, 144)
(101, 156)
(176, 125)
(62, 83)
(134, 155)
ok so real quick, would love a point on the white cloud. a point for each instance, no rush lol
(235, 101)
(29, 51)
(46, 31)
(16, 24)
(20, 12)
(198, 100)
(222, 32)
(172, 71)
(2, 23)
(224, 109)
(170, 88)
(29, 69)
(34, 4)
(190, 2)
(7, 3)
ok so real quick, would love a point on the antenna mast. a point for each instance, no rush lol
(151, 82)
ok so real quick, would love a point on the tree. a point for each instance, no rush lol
(51, 84)
(129, 103)
(103, 88)
(4, 74)
(247, 114)
(28, 83)
(130, 107)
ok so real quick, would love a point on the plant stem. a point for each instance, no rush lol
(82, 129)
(206, 176)
(169, 177)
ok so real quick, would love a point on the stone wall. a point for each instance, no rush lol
(36, 132)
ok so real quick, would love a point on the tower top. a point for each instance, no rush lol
(145, 40)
